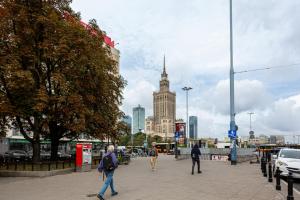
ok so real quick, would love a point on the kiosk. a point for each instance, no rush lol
(83, 157)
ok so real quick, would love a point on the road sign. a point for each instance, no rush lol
(232, 134)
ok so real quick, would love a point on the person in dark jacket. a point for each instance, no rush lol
(195, 154)
(108, 173)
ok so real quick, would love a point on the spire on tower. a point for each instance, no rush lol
(164, 74)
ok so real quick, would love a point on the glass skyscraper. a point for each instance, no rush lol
(127, 119)
(193, 122)
(138, 119)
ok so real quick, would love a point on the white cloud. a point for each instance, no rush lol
(140, 94)
(284, 115)
(249, 95)
(194, 35)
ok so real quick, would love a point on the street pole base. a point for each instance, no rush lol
(233, 162)
(290, 198)
(278, 187)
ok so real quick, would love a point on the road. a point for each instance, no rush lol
(297, 185)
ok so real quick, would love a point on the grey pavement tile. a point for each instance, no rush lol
(172, 180)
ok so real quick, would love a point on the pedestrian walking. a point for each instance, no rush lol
(195, 154)
(108, 165)
(153, 153)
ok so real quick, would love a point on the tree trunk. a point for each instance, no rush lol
(36, 151)
(54, 148)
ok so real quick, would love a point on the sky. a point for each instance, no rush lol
(194, 37)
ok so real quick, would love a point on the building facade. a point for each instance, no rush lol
(164, 107)
(193, 124)
(149, 123)
(138, 119)
(277, 139)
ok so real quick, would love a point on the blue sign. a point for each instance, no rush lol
(232, 134)
(176, 134)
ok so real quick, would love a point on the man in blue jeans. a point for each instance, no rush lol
(108, 165)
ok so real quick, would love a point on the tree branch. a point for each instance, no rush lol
(20, 125)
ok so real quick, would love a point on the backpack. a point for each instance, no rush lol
(108, 164)
(152, 153)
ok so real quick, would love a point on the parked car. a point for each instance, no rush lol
(288, 160)
(16, 155)
(46, 155)
(64, 156)
(171, 152)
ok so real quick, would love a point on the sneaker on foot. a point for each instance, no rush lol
(199, 172)
(114, 194)
(100, 197)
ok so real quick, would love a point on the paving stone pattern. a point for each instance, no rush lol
(171, 181)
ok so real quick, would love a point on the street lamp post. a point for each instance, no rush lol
(250, 113)
(232, 112)
(132, 136)
(187, 113)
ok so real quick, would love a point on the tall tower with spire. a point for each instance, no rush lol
(164, 82)
(164, 107)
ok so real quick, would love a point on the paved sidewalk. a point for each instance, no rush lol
(172, 180)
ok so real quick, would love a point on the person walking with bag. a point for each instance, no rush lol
(195, 154)
(108, 165)
(153, 153)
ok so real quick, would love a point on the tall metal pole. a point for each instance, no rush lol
(250, 113)
(232, 112)
(187, 113)
(132, 135)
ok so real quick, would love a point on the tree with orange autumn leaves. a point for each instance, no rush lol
(57, 80)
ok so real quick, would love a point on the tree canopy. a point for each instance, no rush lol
(57, 79)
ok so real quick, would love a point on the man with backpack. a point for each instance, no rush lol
(153, 153)
(108, 165)
(195, 154)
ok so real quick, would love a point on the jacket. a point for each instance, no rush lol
(195, 153)
(114, 159)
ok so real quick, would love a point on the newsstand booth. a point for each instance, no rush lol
(83, 157)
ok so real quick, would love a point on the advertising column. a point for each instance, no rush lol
(180, 134)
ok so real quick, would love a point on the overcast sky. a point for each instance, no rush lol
(194, 36)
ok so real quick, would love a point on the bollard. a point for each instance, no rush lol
(270, 173)
(261, 164)
(269, 157)
(278, 186)
(290, 187)
(265, 169)
(49, 166)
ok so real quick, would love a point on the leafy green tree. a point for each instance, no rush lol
(57, 79)
(124, 140)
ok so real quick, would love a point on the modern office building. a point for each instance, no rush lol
(164, 107)
(138, 119)
(127, 119)
(193, 124)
